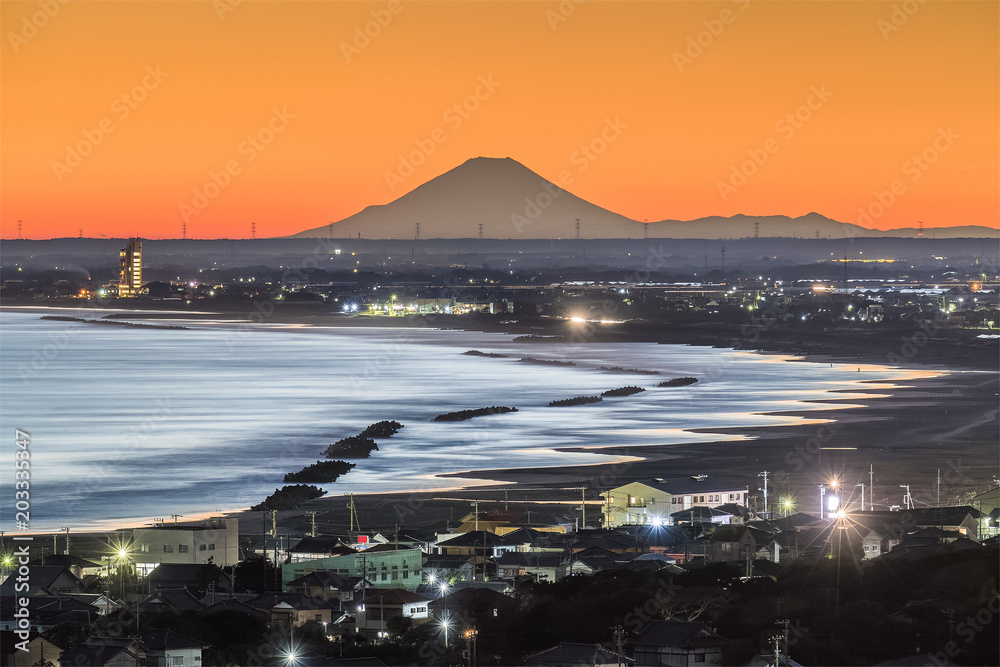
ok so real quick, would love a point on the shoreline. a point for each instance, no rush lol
(767, 446)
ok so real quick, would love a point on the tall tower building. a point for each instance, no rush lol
(131, 268)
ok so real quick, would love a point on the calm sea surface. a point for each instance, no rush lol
(131, 423)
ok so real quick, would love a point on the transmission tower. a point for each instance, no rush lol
(416, 234)
(578, 228)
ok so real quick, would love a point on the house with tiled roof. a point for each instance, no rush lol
(382, 604)
(571, 654)
(677, 643)
(166, 648)
(105, 652)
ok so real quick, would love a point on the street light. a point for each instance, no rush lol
(444, 622)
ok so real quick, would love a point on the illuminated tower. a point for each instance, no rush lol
(131, 268)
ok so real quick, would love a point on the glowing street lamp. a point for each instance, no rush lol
(787, 504)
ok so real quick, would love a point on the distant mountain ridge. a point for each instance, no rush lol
(500, 198)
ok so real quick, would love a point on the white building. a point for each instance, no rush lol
(216, 539)
(653, 501)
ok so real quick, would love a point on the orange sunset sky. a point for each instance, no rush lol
(157, 96)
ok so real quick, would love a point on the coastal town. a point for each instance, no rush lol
(650, 562)
(695, 570)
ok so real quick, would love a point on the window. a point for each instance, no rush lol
(211, 547)
(318, 617)
(202, 547)
(176, 661)
(385, 576)
(699, 657)
(182, 548)
(168, 548)
(144, 548)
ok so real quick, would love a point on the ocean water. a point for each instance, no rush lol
(127, 424)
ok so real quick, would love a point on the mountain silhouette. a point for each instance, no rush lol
(500, 198)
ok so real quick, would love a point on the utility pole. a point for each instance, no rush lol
(67, 540)
(475, 505)
(764, 475)
(583, 506)
(312, 516)
(331, 231)
(505, 499)
(871, 487)
(416, 234)
(723, 259)
(862, 495)
(906, 498)
(175, 517)
(822, 496)
(618, 643)
(354, 515)
(939, 488)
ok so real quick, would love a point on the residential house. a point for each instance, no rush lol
(45, 580)
(730, 543)
(327, 585)
(197, 578)
(166, 648)
(314, 548)
(677, 644)
(211, 541)
(653, 501)
(477, 603)
(40, 651)
(47, 611)
(382, 604)
(440, 567)
(171, 601)
(104, 652)
(570, 654)
(80, 567)
(541, 566)
(294, 608)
